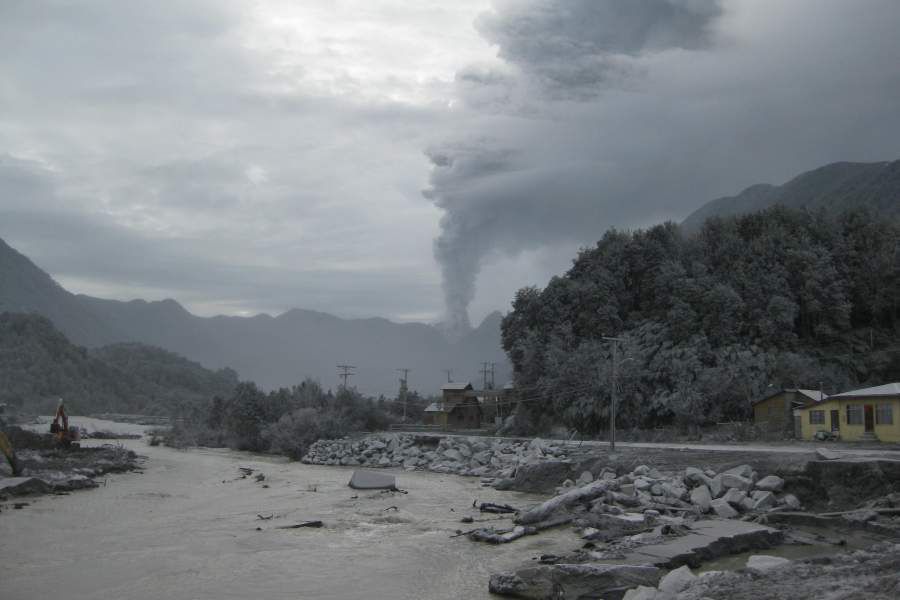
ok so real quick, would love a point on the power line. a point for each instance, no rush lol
(346, 371)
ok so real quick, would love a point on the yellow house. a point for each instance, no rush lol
(859, 415)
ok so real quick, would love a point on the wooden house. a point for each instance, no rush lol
(458, 408)
(775, 413)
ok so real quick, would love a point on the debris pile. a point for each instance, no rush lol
(473, 456)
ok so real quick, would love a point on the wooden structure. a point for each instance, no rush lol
(858, 415)
(775, 412)
(459, 408)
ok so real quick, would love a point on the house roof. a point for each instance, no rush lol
(813, 395)
(456, 386)
(888, 389)
(435, 407)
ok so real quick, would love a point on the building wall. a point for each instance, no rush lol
(850, 433)
(774, 414)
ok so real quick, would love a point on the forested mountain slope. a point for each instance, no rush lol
(39, 364)
(835, 188)
(273, 351)
(711, 321)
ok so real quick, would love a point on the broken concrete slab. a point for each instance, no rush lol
(370, 480)
(707, 540)
(572, 580)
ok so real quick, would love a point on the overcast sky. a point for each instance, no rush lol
(350, 156)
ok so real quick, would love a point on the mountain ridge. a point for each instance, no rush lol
(274, 351)
(834, 187)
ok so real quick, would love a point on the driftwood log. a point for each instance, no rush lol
(303, 524)
(544, 511)
(490, 507)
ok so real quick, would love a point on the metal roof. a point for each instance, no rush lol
(888, 389)
(814, 395)
(435, 407)
(456, 386)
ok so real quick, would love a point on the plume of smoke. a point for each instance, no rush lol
(506, 192)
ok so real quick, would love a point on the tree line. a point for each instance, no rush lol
(710, 321)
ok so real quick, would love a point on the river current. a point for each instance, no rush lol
(186, 528)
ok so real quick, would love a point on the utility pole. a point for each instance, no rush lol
(484, 372)
(612, 392)
(449, 373)
(346, 371)
(403, 389)
(492, 374)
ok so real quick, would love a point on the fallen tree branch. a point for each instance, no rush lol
(490, 507)
(544, 511)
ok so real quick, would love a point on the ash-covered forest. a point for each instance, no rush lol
(710, 321)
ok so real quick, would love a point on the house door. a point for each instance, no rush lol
(835, 420)
(870, 417)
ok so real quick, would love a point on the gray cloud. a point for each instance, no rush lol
(562, 143)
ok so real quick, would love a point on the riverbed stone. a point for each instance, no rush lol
(791, 501)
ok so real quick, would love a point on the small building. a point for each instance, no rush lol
(459, 408)
(859, 415)
(775, 412)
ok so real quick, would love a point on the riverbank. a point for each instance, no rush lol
(189, 527)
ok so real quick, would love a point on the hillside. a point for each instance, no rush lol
(38, 364)
(273, 351)
(835, 188)
(709, 322)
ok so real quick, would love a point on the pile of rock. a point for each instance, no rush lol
(728, 494)
(474, 456)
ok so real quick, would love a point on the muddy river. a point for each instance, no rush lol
(187, 528)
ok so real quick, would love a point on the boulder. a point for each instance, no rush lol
(762, 562)
(734, 497)
(369, 480)
(764, 501)
(695, 476)
(771, 483)
(453, 454)
(701, 498)
(723, 509)
(791, 501)
(716, 488)
(731, 480)
(678, 580)
(745, 471)
(464, 450)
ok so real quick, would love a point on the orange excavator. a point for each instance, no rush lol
(60, 426)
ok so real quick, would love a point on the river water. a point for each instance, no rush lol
(187, 528)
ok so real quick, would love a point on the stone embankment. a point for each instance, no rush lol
(473, 456)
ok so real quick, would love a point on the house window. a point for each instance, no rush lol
(817, 417)
(854, 414)
(884, 414)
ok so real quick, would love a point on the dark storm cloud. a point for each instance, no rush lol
(617, 113)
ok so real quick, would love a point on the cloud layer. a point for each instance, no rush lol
(624, 113)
